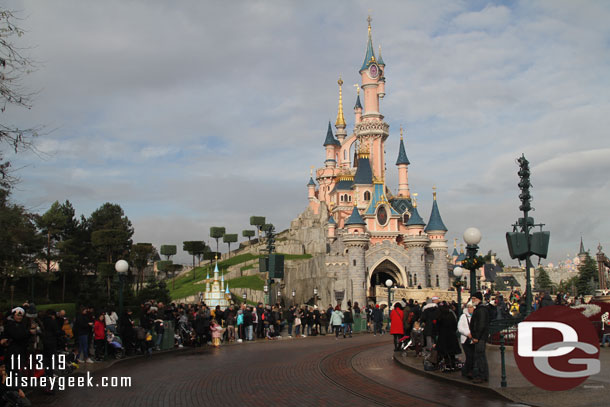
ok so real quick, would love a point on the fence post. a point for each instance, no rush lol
(502, 349)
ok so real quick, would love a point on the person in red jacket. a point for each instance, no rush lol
(397, 327)
(99, 336)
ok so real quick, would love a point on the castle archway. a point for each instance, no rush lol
(386, 268)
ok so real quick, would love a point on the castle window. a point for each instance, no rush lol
(405, 217)
(354, 262)
(437, 282)
(367, 196)
(414, 279)
(349, 198)
(345, 154)
(341, 198)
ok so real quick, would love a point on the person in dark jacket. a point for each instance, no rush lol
(479, 329)
(546, 300)
(50, 339)
(260, 326)
(83, 328)
(348, 320)
(429, 318)
(447, 343)
(377, 318)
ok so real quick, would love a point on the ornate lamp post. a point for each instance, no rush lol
(245, 297)
(121, 268)
(457, 272)
(294, 294)
(315, 296)
(472, 237)
(389, 283)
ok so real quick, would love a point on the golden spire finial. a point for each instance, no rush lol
(414, 199)
(434, 192)
(357, 88)
(311, 171)
(454, 242)
(340, 119)
(401, 133)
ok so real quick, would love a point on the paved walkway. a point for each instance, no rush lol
(592, 393)
(318, 371)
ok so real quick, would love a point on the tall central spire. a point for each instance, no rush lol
(369, 58)
(340, 119)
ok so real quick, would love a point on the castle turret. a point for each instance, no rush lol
(332, 228)
(340, 123)
(403, 169)
(358, 106)
(311, 188)
(370, 73)
(436, 231)
(582, 253)
(331, 144)
(356, 240)
(416, 242)
(381, 89)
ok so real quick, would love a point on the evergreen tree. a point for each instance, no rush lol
(542, 281)
(587, 276)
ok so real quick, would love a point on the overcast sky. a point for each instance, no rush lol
(194, 114)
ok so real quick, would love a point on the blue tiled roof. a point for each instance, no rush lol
(369, 58)
(380, 59)
(355, 218)
(331, 220)
(378, 195)
(435, 222)
(344, 185)
(330, 139)
(401, 205)
(358, 104)
(402, 154)
(461, 257)
(364, 174)
(455, 253)
(415, 219)
(311, 182)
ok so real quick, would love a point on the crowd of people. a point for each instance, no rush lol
(431, 328)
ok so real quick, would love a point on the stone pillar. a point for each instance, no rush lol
(356, 244)
(439, 268)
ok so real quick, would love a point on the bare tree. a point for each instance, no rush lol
(14, 66)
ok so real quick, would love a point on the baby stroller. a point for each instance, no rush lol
(115, 346)
(185, 335)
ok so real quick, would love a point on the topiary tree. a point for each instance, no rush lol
(216, 232)
(195, 248)
(228, 239)
(141, 255)
(168, 250)
(248, 233)
(257, 221)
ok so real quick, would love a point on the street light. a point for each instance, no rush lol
(294, 294)
(315, 296)
(244, 296)
(389, 283)
(472, 237)
(457, 272)
(266, 290)
(121, 268)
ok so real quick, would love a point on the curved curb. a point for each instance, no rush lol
(461, 383)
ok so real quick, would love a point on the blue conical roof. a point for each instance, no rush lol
(415, 219)
(461, 257)
(380, 60)
(311, 182)
(227, 289)
(402, 154)
(331, 220)
(355, 218)
(435, 222)
(330, 138)
(364, 174)
(455, 253)
(369, 58)
(358, 104)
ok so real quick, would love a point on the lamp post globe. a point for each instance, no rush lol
(389, 283)
(458, 271)
(121, 268)
(244, 296)
(472, 236)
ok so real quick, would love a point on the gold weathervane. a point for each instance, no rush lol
(434, 192)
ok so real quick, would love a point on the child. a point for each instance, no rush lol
(115, 343)
(216, 333)
(417, 336)
(98, 336)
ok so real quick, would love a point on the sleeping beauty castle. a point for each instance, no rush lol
(365, 234)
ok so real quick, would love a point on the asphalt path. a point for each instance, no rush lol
(313, 371)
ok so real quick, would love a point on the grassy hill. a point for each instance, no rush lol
(184, 285)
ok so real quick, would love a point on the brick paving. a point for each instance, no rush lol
(318, 371)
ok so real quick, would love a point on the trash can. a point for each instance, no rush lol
(168, 335)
